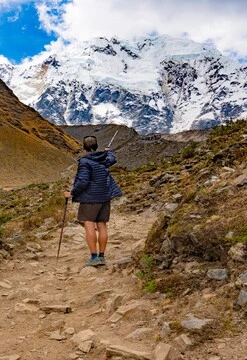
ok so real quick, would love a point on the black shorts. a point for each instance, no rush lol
(99, 212)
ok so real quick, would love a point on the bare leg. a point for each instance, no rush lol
(91, 236)
(103, 236)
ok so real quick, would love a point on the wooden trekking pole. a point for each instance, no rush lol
(61, 234)
(112, 139)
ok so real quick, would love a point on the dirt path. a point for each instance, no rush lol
(30, 281)
(71, 312)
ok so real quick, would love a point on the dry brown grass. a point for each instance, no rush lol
(31, 148)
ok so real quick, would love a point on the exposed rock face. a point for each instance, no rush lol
(158, 84)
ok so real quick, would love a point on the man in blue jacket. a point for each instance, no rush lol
(94, 188)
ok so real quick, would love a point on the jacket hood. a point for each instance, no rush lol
(98, 156)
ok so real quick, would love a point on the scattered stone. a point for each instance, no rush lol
(242, 298)
(10, 357)
(123, 261)
(126, 353)
(183, 342)
(132, 307)
(31, 256)
(138, 245)
(34, 247)
(55, 335)
(58, 324)
(243, 278)
(166, 352)
(208, 296)
(31, 301)
(238, 252)
(138, 334)
(195, 323)
(241, 180)
(20, 307)
(171, 206)
(115, 318)
(65, 309)
(85, 346)
(229, 235)
(113, 303)
(217, 274)
(69, 331)
(102, 295)
(104, 343)
(165, 330)
(4, 253)
(167, 246)
(5, 284)
(177, 196)
(211, 181)
(82, 336)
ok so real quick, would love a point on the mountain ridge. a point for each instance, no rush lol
(156, 84)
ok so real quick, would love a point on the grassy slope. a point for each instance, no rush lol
(20, 116)
(209, 203)
(25, 159)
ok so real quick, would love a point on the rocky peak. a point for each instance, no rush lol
(156, 84)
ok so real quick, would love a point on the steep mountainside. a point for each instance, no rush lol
(133, 150)
(159, 84)
(31, 148)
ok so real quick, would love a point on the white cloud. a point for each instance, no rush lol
(221, 22)
(11, 3)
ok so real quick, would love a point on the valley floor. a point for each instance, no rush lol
(43, 307)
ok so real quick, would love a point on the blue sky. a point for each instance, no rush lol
(20, 33)
(29, 27)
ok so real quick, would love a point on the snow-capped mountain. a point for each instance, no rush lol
(156, 84)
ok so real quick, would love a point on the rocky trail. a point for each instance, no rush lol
(70, 312)
(43, 307)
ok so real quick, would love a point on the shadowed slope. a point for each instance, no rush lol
(31, 149)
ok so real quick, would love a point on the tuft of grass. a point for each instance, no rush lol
(146, 274)
(151, 286)
(4, 218)
(242, 238)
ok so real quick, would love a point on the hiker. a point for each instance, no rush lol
(94, 188)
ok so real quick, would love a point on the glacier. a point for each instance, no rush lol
(155, 84)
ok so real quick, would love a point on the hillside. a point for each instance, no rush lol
(133, 150)
(32, 149)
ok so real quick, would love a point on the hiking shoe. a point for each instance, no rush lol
(101, 261)
(93, 262)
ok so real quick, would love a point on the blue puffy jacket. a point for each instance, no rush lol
(93, 181)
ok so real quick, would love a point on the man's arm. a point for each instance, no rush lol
(81, 180)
